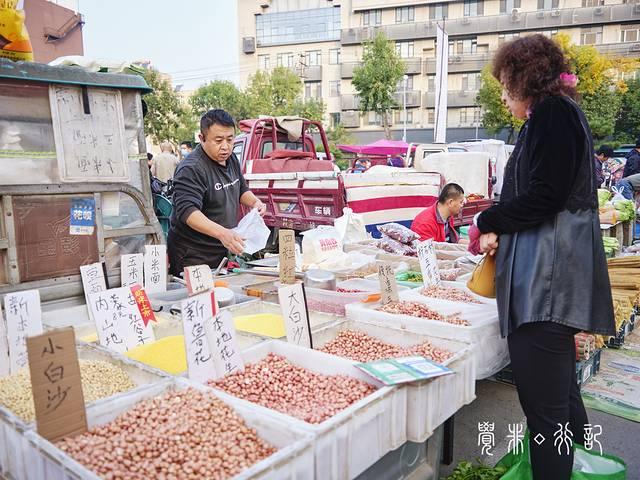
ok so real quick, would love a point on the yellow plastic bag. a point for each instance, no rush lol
(14, 38)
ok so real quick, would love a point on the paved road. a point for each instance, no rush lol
(498, 403)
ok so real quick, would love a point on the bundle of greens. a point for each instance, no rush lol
(603, 196)
(468, 471)
(409, 277)
(611, 245)
(626, 209)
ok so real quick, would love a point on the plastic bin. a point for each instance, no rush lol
(351, 441)
(431, 402)
(293, 460)
(416, 294)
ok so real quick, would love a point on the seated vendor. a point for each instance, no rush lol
(436, 222)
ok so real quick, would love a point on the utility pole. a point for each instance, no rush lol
(405, 78)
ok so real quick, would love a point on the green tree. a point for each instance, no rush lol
(496, 116)
(167, 118)
(220, 94)
(309, 109)
(601, 109)
(376, 79)
(337, 135)
(628, 121)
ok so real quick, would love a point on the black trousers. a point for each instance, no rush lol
(183, 255)
(543, 360)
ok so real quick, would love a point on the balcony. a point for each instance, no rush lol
(413, 67)
(413, 98)
(459, 63)
(350, 119)
(313, 73)
(523, 21)
(455, 98)
(349, 102)
(630, 49)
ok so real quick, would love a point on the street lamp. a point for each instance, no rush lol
(404, 106)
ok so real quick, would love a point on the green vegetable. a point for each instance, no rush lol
(409, 277)
(468, 471)
(611, 245)
(626, 209)
(603, 196)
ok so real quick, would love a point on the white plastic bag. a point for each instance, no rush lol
(617, 195)
(350, 227)
(320, 244)
(253, 229)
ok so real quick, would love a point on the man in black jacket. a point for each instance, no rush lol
(632, 167)
(208, 189)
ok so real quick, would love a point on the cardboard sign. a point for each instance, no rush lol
(403, 370)
(143, 304)
(155, 268)
(428, 263)
(24, 319)
(5, 363)
(199, 279)
(131, 270)
(197, 311)
(56, 385)
(118, 320)
(82, 218)
(293, 303)
(93, 280)
(223, 344)
(287, 250)
(388, 285)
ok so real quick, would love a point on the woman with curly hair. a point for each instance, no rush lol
(551, 272)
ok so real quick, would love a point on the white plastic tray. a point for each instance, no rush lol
(431, 402)
(293, 460)
(354, 439)
(484, 301)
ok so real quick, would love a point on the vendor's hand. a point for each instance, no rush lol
(488, 243)
(262, 208)
(232, 241)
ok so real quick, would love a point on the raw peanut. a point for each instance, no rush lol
(417, 309)
(448, 293)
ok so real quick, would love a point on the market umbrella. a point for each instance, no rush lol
(380, 147)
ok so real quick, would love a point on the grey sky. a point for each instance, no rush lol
(195, 41)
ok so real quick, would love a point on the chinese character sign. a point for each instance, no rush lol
(287, 260)
(93, 280)
(143, 304)
(24, 319)
(223, 344)
(388, 285)
(155, 268)
(131, 269)
(197, 311)
(293, 304)
(428, 263)
(199, 279)
(486, 437)
(82, 218)
(56, 385)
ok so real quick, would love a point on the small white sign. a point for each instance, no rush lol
(223, 344)
(118, 320)
(93, 280)
(197, 311)
(155, 268)
(293, 303)
(5, 363)
(428, 263)
(388, 285)
(199, 279)
(24, 319)
(131, 269)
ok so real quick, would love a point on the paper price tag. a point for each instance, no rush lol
(131, 269)
(199, 279)
(388, 285)
(24, 319)
(287, 251)
(56, 385)
(93, 279)
(155, 268)
(197, 311)
(428, 263)
(223, 344)
(293, 303)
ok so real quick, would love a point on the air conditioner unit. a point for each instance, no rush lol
(515, 11)
(249, 45)
(555, 13)
(466, 20)
(540, 15)
(599, 11)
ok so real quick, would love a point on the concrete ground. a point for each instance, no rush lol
(497, 402)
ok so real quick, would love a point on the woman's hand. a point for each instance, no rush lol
(262, 208)
(489, 243)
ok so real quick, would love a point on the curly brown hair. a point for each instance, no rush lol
(530, 68)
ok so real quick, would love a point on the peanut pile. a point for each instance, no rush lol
(100, 379)
(361, 347)
(417, 309)
(276, 383)
(184, 435)
(448, 293)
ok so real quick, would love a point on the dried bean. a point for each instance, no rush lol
(448, 293)
(416, 309)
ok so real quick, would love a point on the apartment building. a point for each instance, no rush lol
(321, 40)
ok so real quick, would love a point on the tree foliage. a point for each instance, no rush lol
(220, 94)
(376, 79)
(338, 135)
(628, 122)
(496, 116)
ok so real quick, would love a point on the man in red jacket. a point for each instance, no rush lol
(436, 222)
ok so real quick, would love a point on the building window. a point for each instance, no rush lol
(298, 26)
(548, 4)
(630, 33)
(404, 49)
(335, 119)
(431, 116)
(374, 118)
(314, 58)
(463, 47)
(400, 116)
(473, 8)
(405, 14)
(372, 17)
(439, 11)
(591, 36)
(507, 6)
(592, 3)
(505, 37)
(334, 88)
(263, 62)
(400, 84)
(471, 81)
(549, 33)
(285, 60)
(431, 83)
(334, 56)
(313, 90)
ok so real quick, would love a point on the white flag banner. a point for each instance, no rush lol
(442, 71)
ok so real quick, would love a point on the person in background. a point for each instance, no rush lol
(632, 166)
(395, 161)
(545, 233)
(149, 159)
(361, 165)
(436, 222)
(208, 190)
(164, 164)
(629, 186)
(186, 148)
(603, 154)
